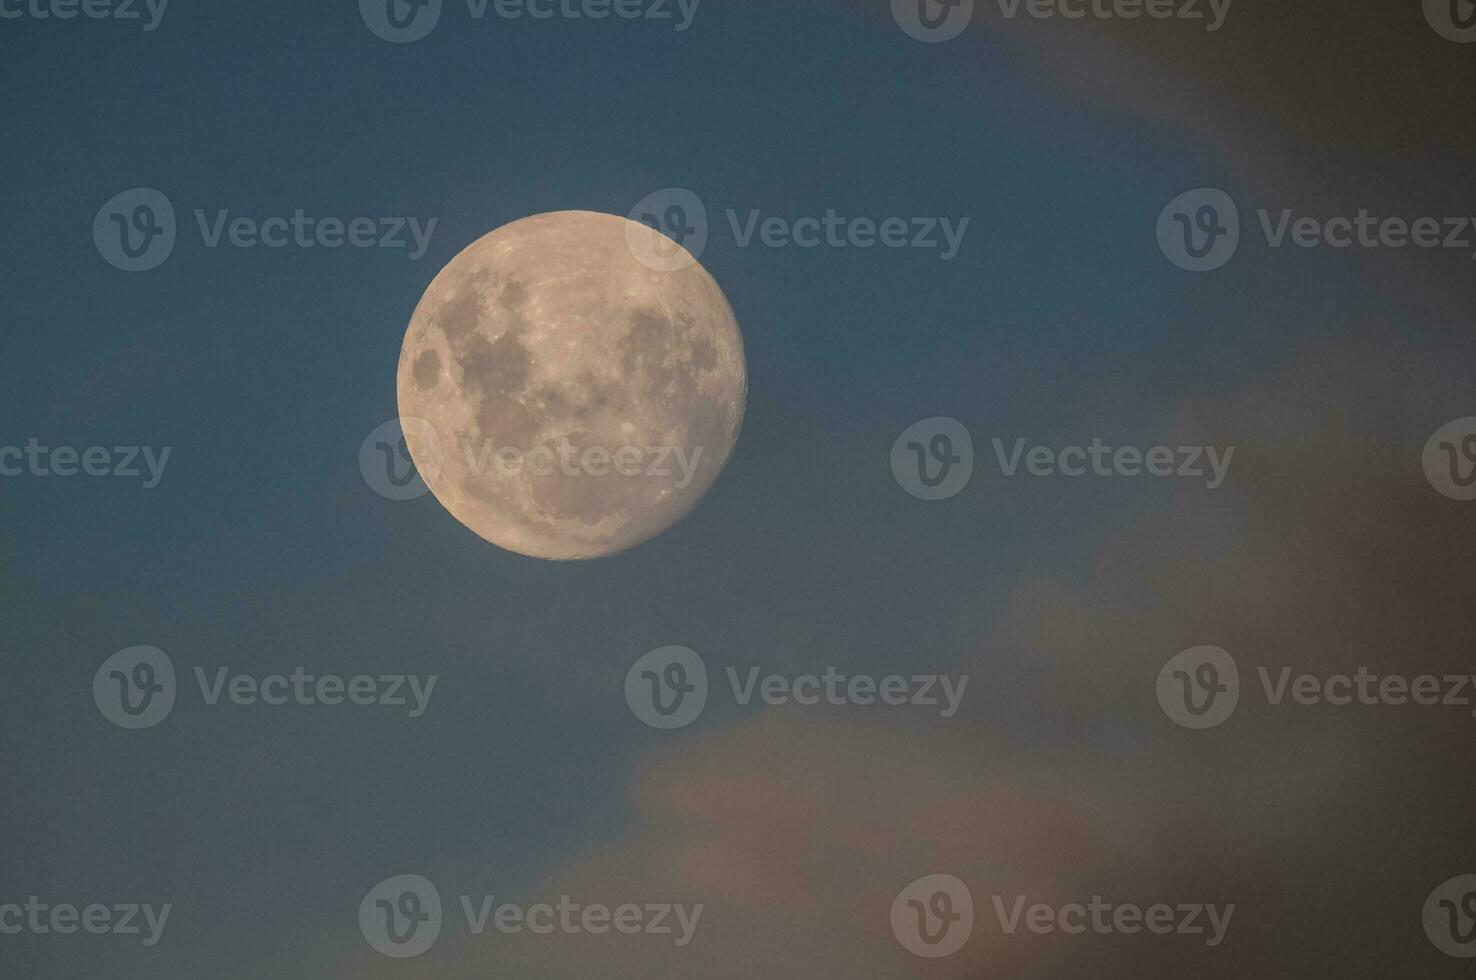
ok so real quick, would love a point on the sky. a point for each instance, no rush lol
(262, 548)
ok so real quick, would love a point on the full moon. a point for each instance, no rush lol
(571, 384)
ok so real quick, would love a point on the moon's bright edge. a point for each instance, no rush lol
(575, 400)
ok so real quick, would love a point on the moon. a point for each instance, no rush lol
(571, 385)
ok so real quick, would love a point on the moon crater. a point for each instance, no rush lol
(576, 400)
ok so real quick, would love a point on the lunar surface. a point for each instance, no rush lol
(565, 399)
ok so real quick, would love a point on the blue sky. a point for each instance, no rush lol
(262, 548)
